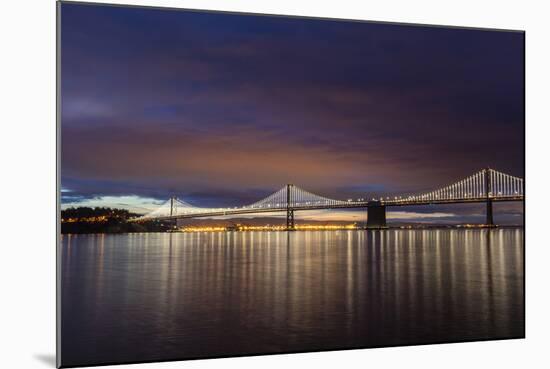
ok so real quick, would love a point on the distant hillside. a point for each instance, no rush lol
(105, 220)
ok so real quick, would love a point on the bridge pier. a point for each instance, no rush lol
(489, 201)
(489, 220)
(376, 215)
(290, 219)
(289, 210)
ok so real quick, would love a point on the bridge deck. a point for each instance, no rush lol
(348, 205)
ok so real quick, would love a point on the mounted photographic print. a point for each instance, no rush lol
(242, 184)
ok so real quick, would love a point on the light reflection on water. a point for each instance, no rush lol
(140, 297)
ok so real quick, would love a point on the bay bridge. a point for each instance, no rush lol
(485, 186)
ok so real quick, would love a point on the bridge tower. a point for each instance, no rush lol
(488, 199)
(173, 210)
(376, 215)
(289, 209)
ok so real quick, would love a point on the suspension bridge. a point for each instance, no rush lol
(485, 186)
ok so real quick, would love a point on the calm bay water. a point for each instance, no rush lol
(142, 297)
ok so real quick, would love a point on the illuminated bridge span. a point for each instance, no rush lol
(485, 186)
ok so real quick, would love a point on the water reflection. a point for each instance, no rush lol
(171, 296)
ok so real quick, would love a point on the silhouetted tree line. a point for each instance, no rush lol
(106, 220)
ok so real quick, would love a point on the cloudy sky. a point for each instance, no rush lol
(224, 109)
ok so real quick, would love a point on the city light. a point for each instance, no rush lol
(248, 228)
(98, 219)
(204, 229)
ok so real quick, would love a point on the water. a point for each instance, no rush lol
(143, 297)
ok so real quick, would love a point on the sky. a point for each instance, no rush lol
(224, 109)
